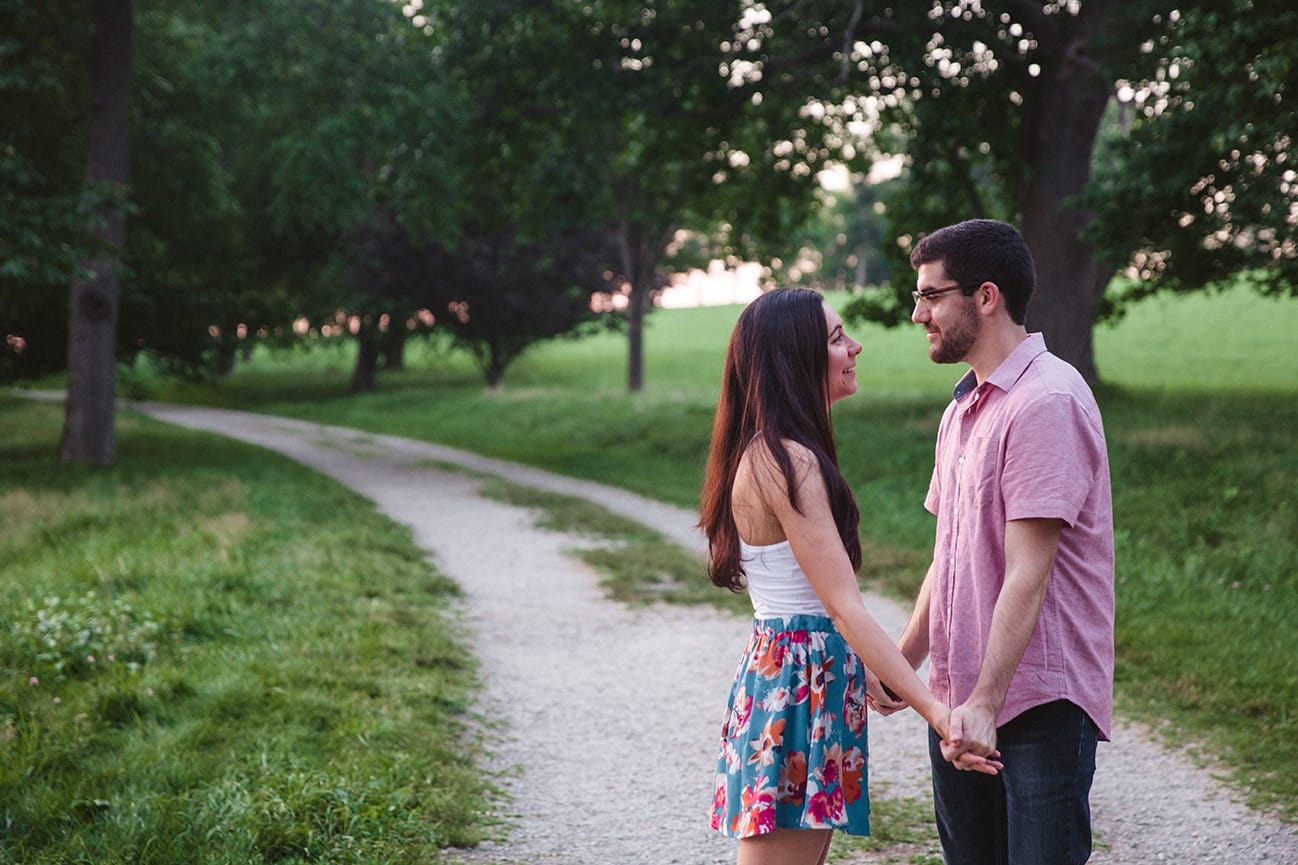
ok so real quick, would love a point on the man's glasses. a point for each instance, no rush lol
(927, 295)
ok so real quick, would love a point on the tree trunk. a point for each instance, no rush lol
(365, 376)
(227, 350)
(494, 370)
(394, 347)
(639, 265)
(635, 312)
(88, 425)
(1061, 118)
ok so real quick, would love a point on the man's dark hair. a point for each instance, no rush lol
(983, 250)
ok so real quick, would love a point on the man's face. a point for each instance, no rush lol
(950, 319)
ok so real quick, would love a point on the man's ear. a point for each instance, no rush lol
(989, 298)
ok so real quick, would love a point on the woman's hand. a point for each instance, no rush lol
(971, 762)
(880, 697)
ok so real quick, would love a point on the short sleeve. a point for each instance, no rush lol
(1054, 449)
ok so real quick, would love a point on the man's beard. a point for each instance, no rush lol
(957, 339)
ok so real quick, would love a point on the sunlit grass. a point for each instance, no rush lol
(212, 655)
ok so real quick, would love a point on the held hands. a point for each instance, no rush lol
(969, 742)
(880, 697)
(965, 751)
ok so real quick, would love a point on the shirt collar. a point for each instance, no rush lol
(1010, 370)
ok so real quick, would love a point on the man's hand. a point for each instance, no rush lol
(972, 732)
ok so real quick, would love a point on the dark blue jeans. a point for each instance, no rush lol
(1037, 810)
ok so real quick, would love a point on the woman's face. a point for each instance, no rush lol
(840, 374)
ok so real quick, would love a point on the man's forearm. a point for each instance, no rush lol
(1030, 547)
(914, 643)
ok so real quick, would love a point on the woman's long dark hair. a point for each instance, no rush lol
(773, 387)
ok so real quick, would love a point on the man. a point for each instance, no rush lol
(1016, 611)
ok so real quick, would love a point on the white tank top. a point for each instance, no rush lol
(776, 583)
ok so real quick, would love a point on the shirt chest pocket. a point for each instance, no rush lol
(979, 468)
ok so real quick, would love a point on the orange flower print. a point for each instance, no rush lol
(769, 658)
(757, 816)
(794, 742)
(818, 680)
(766, 746)
(853, 766)
(855, 709)
(793, 779)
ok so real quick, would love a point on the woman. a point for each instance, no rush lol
(781, 521)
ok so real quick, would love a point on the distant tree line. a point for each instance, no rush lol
(178, 179)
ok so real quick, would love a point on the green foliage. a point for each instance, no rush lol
(1192, 173)
(45, 232)
(503, 296)
(1199, 179)
(842, 247)
(270, 137)
(275, 677)
(339, 126)
(187, 264)
(651, 119)
(262, 133)
(990, 106)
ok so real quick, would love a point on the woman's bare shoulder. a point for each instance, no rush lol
(760, 468)
(758, 454)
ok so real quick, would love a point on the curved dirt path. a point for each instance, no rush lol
(601, 720)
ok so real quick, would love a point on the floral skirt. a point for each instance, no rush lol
(794, 743)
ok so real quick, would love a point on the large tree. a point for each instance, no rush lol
(181, 266)
(88, 429)
(44, 235)
(1202, 179)
(344, 129)
(503, 295)
(648, 118)
(997, 107)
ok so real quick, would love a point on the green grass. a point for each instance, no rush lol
(637, 565)
(213, 655)
(1200, 410)
(902, 832)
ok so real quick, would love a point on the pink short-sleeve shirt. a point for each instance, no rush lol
(1026, 443)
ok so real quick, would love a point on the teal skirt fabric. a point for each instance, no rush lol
(794, 743)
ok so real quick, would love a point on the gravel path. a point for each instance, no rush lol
(602, 720)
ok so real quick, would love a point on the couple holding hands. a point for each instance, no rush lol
(1015, 614)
